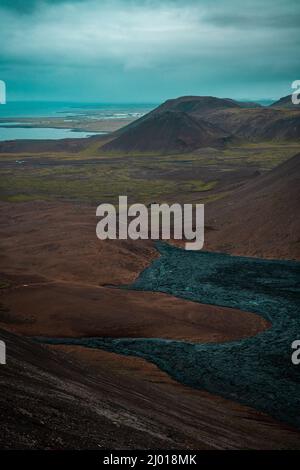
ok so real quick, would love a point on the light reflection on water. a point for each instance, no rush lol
(18, 133)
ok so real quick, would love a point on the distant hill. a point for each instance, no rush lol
(190, 122)
(167, 131)
(201, 104)
(261, 218)
(258, 124)
(285, 102)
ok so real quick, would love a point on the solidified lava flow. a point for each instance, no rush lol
(256, 371)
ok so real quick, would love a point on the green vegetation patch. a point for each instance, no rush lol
(95, 182)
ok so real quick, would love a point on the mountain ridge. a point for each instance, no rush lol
(220, 120)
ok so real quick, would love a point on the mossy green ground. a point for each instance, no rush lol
(89, 183)
(91, 178)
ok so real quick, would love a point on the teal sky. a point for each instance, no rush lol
(148, 50)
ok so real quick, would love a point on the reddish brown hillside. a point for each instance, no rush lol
(262, 218)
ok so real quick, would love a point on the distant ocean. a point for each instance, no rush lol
(64, 109)
(14, 111)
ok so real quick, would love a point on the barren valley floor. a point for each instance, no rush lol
(55, 278)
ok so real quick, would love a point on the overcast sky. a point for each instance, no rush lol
(148, 51)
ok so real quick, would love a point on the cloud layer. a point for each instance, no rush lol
(110, 47)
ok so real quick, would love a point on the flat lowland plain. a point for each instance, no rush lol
(57, 280)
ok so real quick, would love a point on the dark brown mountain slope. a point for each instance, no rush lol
(191, 122)
(90, 399)
(285, 102)
(258, 124)
(49, 402)
(262, 218)
(167, 131)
